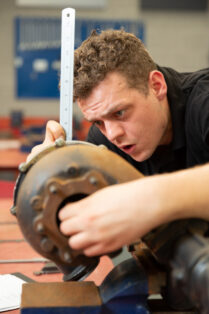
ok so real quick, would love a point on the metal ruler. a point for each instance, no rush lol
(24, 260)
(67, 72)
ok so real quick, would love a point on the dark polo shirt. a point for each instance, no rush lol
(188, 98)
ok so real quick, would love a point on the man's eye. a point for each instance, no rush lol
(119, 113)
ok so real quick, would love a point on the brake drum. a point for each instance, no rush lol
(63, 173)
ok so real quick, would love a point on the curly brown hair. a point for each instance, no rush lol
(111, 51)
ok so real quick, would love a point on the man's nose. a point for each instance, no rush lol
(113, 130)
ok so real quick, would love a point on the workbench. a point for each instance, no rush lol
(10, 159)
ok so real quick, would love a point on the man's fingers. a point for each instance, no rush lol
(94, 250)
(99, 249)
(80, 241)
(72, 209)
(53, 132)
(69, 211)
(83, 241)
(71, 226)
(35, 150)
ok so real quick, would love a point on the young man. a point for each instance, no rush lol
(154, 117)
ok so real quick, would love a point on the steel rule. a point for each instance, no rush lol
(67, 73)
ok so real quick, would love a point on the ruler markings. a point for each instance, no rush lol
(67, 73)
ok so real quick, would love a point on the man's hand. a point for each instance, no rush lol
(109, 219)
(120, 214)
(53, 132)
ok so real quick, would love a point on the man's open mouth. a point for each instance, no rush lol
(128, 148)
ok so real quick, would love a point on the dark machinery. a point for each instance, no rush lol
(172, 259)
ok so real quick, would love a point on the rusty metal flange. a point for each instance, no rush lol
(63, 173)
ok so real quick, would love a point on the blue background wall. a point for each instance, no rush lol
(37, 42)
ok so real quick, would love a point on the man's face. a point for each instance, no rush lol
(135, 123)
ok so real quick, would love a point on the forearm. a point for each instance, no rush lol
(179, 195)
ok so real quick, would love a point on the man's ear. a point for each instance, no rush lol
(158, 84)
